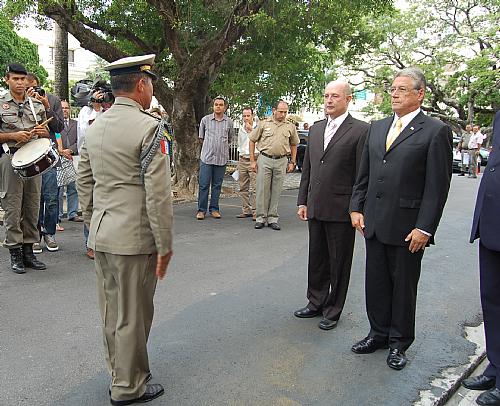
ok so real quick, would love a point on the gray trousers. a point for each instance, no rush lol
(269, 184)
(247, 180)
(21, 201)
(126, 285)
(473, 162)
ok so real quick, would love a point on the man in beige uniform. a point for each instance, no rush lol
(19, 116)
(276, 139)
(124, 188)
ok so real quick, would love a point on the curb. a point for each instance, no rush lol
(447, 394)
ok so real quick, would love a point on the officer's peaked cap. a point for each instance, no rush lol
(132, 64)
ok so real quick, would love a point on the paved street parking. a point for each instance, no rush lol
(224, 331)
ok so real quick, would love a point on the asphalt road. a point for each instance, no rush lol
(224, 331)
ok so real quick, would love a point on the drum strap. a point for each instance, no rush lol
(32, 108)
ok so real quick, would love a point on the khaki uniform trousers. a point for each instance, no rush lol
(21, 201)
(270, 178)
(126, 285)
(247, 185)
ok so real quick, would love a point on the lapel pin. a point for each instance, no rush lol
(411, 128)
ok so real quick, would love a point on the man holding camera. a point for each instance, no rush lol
(48, 213)
(19, 122)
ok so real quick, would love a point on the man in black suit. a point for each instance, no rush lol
(329, 171)
(397, 202)
(486, 227)
(69, 140)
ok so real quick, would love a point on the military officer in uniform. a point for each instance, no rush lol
(20, 117)
(124, 189)
(276, 139)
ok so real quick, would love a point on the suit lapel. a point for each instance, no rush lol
(413, 126)
(319, 137)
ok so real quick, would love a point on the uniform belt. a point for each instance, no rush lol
(273, 156)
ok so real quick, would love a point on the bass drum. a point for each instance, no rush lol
(34, 158)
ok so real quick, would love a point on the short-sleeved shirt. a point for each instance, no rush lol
(16, 116)
(274, 137)
(216, 136)
(475, 140)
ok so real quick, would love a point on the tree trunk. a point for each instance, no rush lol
(61, 62)
(187, 147)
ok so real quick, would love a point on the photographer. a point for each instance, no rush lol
(50, 192)
(101, 100)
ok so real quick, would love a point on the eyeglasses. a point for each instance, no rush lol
(20, 111)
(399, 90)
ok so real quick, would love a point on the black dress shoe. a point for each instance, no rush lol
(274, 226)
(489, 398)
(368, 345)
(258, 225)
(396, 359)
(153, 391)
(306, 313)
(326, 324)
(479, 382)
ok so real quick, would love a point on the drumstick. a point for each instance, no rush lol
(42, 124)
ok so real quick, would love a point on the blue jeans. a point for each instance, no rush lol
(47, 217)
(71, 199)
(210, 175)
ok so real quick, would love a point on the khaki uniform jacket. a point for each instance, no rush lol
(273, 137)
(126, 216)
(14, 118)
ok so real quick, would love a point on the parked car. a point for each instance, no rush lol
(301, 148)
(482, 159)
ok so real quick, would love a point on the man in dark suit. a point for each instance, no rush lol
(397, 202)
(69, 140)
(486, 227)
(329, 171)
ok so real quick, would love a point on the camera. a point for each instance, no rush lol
(39, 90)
(105, 88)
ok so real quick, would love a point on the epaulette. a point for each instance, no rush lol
(150, 115)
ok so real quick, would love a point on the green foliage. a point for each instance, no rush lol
(455, 43)
(14, 48)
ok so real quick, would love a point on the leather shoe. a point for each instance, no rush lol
(76, 219)
(258, 225)
(479, 382)
(274, 226)
(368, 345)
(243, 215)
(200, 215)
(215, 214)
(29, 259)
(306, 313)
(326, 324)
(489, 398)
(152, 392)
(396, 359)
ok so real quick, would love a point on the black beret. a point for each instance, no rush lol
(16, 68)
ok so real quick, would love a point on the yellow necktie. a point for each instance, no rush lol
(393, 134)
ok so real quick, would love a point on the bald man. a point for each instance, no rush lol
(329, 171)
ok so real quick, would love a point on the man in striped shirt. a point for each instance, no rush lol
(216, 131)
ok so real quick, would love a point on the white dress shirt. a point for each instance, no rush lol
(329, 132)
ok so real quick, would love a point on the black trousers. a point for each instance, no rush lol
(331, 246)
(392, 274)
(489, 274)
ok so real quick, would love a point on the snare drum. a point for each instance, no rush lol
(34, 158)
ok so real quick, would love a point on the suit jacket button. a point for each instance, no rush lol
(492, 169)
(384, 161)
(321, 161)
(380, 180)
